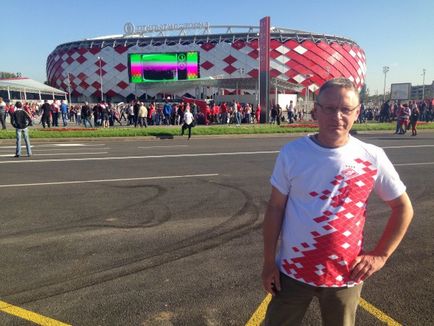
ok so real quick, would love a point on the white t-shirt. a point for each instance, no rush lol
(188, 117)
(328, 189)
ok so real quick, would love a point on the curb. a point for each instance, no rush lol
(225, 136)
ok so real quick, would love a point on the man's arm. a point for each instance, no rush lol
(271, 230)
(399, 220)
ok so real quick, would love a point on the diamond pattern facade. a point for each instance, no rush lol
(306, 62)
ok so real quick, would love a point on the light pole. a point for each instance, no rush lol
(100, 79)
(69, 88)
(306, 95)
(385, 71)
(423, 87)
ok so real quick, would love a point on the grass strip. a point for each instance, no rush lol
(170, 131)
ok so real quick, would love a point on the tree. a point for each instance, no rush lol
(4, 74)
(364, 93)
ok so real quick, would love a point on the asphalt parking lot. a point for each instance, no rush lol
(168, 232)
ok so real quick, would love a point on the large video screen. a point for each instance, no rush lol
(154, 67)
(400, 91)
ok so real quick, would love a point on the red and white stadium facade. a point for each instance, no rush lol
(304, 58)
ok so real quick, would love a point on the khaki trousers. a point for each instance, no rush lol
(288, 307)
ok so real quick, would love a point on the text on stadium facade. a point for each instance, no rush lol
(129, 28)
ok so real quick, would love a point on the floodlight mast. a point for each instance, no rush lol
(385, 71)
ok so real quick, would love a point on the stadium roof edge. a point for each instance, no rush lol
(29, 85)
(232, 83)
(229, 35)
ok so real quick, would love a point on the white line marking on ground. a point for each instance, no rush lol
(108, 180)
(57, 154)
(162, 146)
(7, 155)
(68, 145)
(13, 147)
(408, 146)
(71, 153)
(73, 144)
(55, 145)
(71, 150)
(109, 158)
(410, 164)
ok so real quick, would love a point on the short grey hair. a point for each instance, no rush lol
(339, 82)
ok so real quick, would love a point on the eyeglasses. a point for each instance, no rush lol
(333, 110)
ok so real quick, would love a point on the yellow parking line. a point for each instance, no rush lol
(29, 315)
(259, 314)
(378, 313)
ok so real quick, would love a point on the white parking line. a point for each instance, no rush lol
(408, 146)
(69, 145)
(71, 153)
(56, 154)
(63, 149)
(163, 146)
(108, 180)
(113, 158)
(410, 164)
(56, 145)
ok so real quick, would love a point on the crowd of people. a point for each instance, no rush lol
(407, 114)
(138, 113)
(141, 114)
(390, 111)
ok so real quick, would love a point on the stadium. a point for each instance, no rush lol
(118, 66)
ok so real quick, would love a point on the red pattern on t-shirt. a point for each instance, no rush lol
(327, 261)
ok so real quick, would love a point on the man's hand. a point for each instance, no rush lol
(399, 220)
(366, 265)
(271, 278)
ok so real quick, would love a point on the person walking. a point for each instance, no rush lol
(320, 188)
(20, 121)
(188, 122)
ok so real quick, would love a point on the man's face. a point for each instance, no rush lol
(336, 110)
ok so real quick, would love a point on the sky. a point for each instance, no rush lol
(393, 33)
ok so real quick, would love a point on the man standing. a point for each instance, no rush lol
(136, 109)
(86, 114)
(142, 115)
(21, 120)
(167, 111)
(64, 111)
(320, 188)
(46, 111)
(55, 113)
(291, 112)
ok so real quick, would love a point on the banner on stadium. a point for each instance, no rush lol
(264, 67)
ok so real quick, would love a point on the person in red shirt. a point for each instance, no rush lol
(206, 111)
(10, 109)
(258, 114)
(215, 113)
(224, 113)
